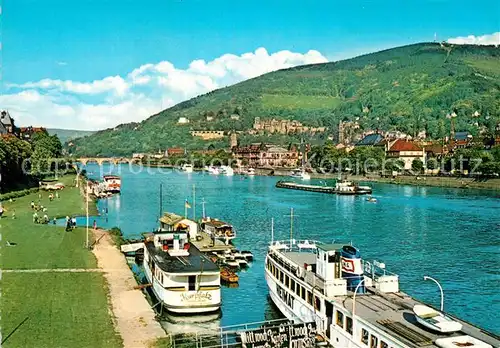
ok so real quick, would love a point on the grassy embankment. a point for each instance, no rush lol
(52, 309)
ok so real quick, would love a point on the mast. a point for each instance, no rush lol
(194, 202)
(291, 227)
(161, 201)
(203, 207)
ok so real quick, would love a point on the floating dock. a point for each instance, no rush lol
(322, 189)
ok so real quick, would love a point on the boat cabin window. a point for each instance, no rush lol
(331, 258)
(317, 303)
(364, 336)
(286, 280)
(309, 298)
(340, 319)
(303, 293)
(348, 325)
(383, 344)
(192, 282)
(281, 276)
(292, 284)
(373, 341)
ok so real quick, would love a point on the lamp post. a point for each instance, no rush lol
(440, 289)
(354, 310)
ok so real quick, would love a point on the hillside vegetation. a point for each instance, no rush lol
(408, 88)
(66, 135)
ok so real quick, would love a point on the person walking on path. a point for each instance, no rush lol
(95, 225)
(13, 214)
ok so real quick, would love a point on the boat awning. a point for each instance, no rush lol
(170, 219)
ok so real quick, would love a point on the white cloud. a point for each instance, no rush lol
(139, 94)
(491, 39)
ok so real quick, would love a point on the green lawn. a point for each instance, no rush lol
(63, 310)
(299, 101)
(44, 246)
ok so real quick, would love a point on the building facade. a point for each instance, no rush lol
(407, 151)
(208, 135)
(283, 127)
(267, 156)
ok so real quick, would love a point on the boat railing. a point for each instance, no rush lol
(303, 245)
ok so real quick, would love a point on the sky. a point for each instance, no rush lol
(93, 64)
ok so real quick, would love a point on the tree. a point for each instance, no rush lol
(417, 165)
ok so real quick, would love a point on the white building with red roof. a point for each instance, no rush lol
(405, 150)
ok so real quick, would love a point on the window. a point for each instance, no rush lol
(309, 298)
(348, 325)
(303, 293)
(340, 319)
(317, 303)
(292, 285)
(286, 280)
(373, 341)
(192, 282)
(383, 344)
(364, 337)
(281, 276)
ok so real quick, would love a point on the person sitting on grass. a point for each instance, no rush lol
(45, 219)
(13, 214)
(32, 205)
(35, 217)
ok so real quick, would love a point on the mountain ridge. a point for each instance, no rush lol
(409, 88)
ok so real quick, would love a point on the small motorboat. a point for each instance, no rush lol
(238, 256)
(371, 199)
(434, 320)
(228, 276)
(461, 341)
(233, 263)
(243, 262)
(247, 254)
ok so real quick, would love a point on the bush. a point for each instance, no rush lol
(117, 236)
(17, 194)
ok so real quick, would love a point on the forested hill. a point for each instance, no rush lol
(407, 88)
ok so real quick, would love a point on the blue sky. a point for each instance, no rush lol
(79, 42)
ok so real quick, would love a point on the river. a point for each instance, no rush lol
(452, 235)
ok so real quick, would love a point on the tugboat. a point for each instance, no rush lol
(300, 173)
(188, 168)
(218, 229)
(183, 279)
(357, 303)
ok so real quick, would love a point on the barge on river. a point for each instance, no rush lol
(340, 188)
(355, 303)
(183, 279)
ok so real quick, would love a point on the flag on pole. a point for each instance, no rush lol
(187, 205)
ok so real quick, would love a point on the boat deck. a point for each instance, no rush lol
(195, 262)
(392, 313)
(300, 258)
(205, 244)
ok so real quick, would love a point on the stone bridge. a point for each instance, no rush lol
(101, 160)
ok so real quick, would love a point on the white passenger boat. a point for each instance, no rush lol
(300, 173)
(183, 279)
(112, 183)
(435, 320)
(213, 170)
(226, 170)
(354, 303)
(250, 172)
(188, 168)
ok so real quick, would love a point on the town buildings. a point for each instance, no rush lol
(207, 134)
(405, 150)
(283, 127)
(266, 155)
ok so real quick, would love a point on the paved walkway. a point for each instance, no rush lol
(134, 318)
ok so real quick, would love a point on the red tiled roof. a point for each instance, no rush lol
(404, 145)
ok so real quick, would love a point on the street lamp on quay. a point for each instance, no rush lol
(440, 289)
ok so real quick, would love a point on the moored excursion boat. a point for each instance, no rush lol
(300, 173)
(112, 183)
(183, 279)
(187, 167)
(250, 172)
(356, 303)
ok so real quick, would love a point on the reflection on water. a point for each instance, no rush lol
(450, 234)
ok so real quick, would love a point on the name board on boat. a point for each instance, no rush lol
(285, 335)
(196, 297)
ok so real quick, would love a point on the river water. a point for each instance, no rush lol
(452, 235)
